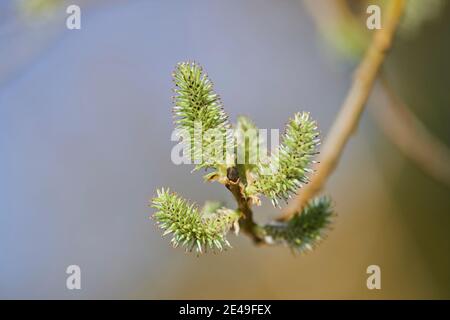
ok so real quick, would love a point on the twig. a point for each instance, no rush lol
(397, 122)
(247, 224)
(351, 110)
(403, 128)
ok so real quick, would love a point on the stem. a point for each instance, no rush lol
(411, 137)
(246, 223)
(352, 108)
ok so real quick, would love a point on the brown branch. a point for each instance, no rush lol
(246, 223)
(412, 138)
(351, 110)
(397, 122)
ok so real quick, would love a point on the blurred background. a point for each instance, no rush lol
(85, 125)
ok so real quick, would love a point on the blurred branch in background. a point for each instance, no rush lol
(342, 28)
(411, 137)
(347, 120)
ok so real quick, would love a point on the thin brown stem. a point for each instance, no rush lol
(246, 223)
(352, 108)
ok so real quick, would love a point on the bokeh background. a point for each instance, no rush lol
(85, 125)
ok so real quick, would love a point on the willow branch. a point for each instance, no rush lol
(411, 137)
(400, 126)
(247, 224)
(352, 108)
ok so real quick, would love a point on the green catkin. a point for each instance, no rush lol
(196, 104)
(190, 227)
(303, 231)
(287, 171)
(275, 177)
